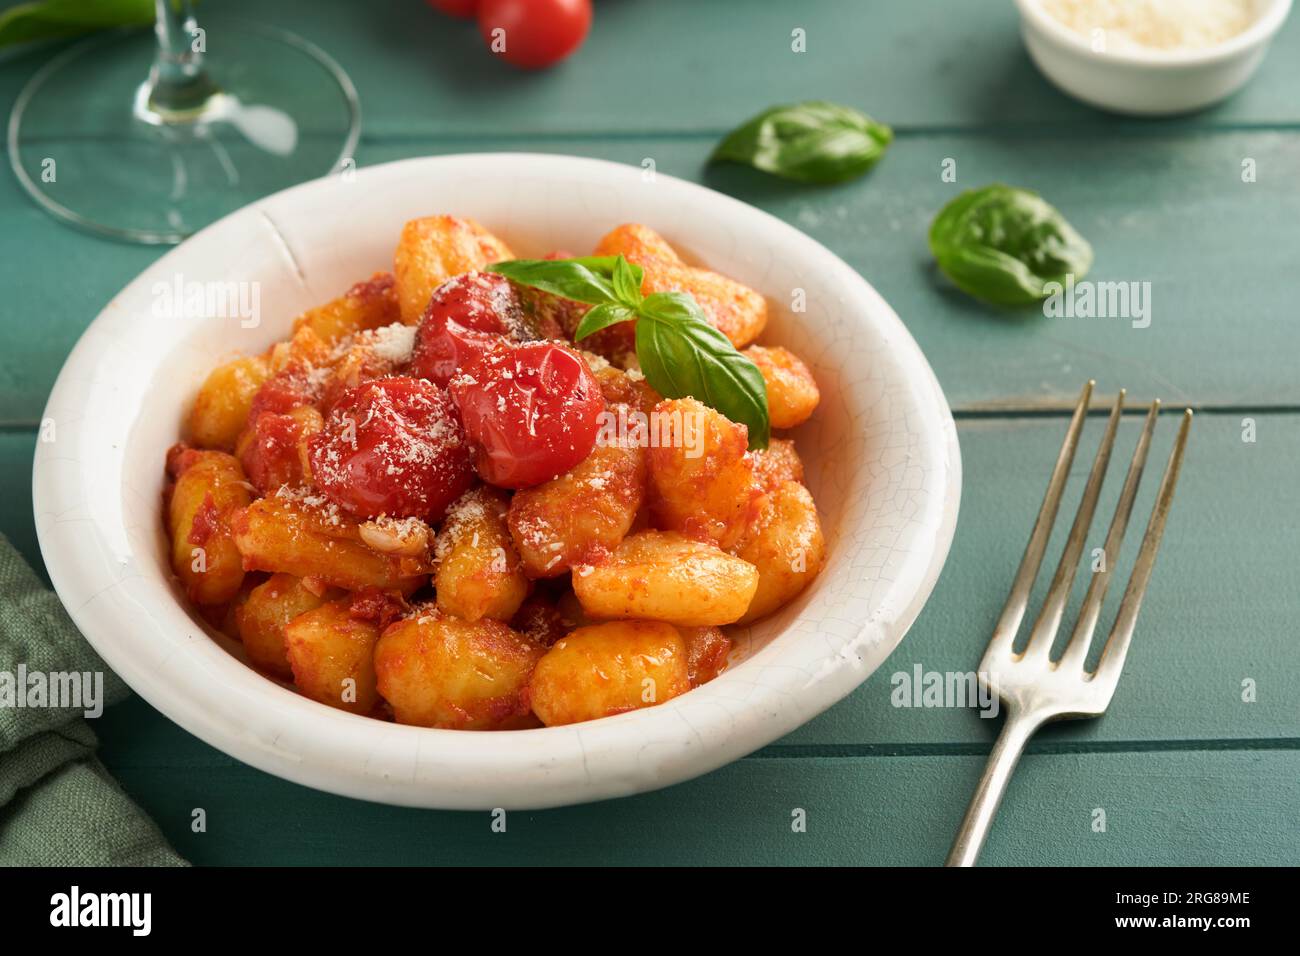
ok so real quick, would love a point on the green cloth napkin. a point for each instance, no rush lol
(58, 805)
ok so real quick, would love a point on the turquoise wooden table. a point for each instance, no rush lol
(1189, 766)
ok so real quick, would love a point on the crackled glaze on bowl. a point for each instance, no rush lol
(881, 456)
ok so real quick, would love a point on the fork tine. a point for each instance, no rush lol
(1049, 618)
(1076, 652)
(1121, 635)
(1004, 633)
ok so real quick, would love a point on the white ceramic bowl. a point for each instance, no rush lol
(881, 458)
(1147, 82)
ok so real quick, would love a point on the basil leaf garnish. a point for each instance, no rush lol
(812, 142)
(602, 317)
(681, 354)
(1004, 245)
(589, 280)
(627, 282)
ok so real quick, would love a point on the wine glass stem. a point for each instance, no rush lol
(179, 85)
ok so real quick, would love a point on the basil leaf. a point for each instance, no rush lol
(589, 280)
(812, 142)
(27, 22)
(682, 355)
(602, 317)
(627, 282)
(675, 307)
(1004, 245)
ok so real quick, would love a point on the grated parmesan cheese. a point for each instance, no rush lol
(393, 343)
(408, 537)
(1154, 24)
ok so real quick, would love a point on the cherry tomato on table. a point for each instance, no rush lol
(392, 446)
(533, 409)
(534, 33)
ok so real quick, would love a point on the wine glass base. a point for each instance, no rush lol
(87, 144)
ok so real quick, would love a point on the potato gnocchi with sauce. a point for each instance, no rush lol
(428, 506)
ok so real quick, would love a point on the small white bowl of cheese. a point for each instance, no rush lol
(1150, 57)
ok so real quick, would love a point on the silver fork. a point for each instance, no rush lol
(1034, 689)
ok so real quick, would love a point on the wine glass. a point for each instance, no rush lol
(148, 138)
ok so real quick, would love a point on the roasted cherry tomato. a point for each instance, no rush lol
(534, 33)
(463, 317)
(392, 446)
(456, 8)
(533, 409)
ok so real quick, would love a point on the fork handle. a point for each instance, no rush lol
(1015, 734)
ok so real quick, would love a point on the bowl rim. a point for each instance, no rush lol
(706, 735)
(1259, 33)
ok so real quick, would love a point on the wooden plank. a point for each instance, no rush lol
(1222, 298)
(1145, 204)
(1221, 608)
(419, 75)
(1162, 808)
(916, 64)
(58, 280)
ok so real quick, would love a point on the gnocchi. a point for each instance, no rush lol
(581, 515)
(786, 546)
(310, 538)
(702, 486)
(431, 505)
(437, 670)
(792, 394)
(207, 493)
(775, 465)
(221, 408)
(609, 669)
(371, 304)
(261, 619)
(434, 249)
(479, 573)
(663, 576)
(331, 653)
